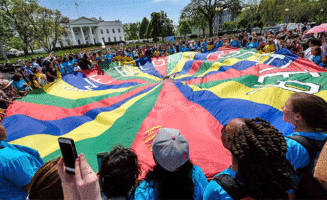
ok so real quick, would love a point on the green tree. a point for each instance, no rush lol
(167, 25)
(207, 8)
(17, 11)
(229, 25)
(155, 26)
(271, 11)
(143, 28)
(250, 18)
(197, 21)
(184, 28)
(132, 30)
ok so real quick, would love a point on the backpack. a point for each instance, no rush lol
(309, 187)
(232, 187)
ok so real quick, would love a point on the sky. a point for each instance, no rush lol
(127, 11)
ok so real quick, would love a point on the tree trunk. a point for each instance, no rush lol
(210, 28)
(203, 32)
(31, 49)
(25, 51)
(3, 53)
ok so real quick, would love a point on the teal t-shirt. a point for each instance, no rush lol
(214, 191)
(296, 153)
(17, 168)
(144, 191)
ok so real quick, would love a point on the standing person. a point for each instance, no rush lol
(77, 68)
(18, 165)
(174, 176)
(259, 167)
(85, 63)
(64, 66)
(308, 115)
(50, 72)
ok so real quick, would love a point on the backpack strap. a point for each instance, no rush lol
(229, 184)
(309, 144)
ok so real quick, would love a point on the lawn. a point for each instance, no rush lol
(62, 53)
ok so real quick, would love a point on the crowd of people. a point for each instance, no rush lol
(265, 164)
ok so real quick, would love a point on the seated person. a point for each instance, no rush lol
(254, 44)
(259, 165)
(323, 63)
(316, 55)
(46, 183)
(5, 101)
(18, 165)
(19, 83)
(34, 83)
(320, 172)
(118, 173)
(42, 78)
(174, 176)
(269, 47)
(307, 113)
(77, 68)
(10, 91)
(236, 42)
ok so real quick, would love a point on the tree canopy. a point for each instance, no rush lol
(208, 9)
(143, 28)
(132, 30)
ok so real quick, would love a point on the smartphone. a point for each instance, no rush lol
(100, 157)
(69, 154)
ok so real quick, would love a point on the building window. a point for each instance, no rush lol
(93, 32)
(107, 30)
(119, 30)
(120, 38)
(115, 39)
(103, 40)
(113, 30)
(94, 41)
(109, 39)
(79, 42)
(101, 31)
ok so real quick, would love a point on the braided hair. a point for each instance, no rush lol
(263, 169)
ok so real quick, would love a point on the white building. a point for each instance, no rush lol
(91, 30)
(221, 18)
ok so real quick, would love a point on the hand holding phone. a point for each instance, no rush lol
(69, 154)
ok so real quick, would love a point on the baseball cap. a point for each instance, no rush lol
(170, 149)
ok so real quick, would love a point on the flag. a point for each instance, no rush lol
(196, 93)
(76, 4)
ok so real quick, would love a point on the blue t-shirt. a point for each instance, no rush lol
(62, 70)
(215, 191)
(29, 72)
(205, 44)
(19, 84)
(219, 44)
(316, 59)
(69, 66)
(171, 51)
(296, 153)
(253, 45)
(146, 192)
(185, 49)
(17, 167)
(236, 44)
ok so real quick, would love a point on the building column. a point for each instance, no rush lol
(74, 38)
(91, 35)
(83, 37)
(99, 38)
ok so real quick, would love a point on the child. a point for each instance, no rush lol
(77, 68)
(269, 47)
(236, 42)
(316, 54)
(34, 83)
(254, 44)
(323, 63)
(301, 54)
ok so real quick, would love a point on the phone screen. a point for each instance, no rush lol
(68, 152)
(100, 157)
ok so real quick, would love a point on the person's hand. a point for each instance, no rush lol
(68, 182)
(87, 181)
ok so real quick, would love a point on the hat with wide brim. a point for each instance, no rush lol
(5, 83)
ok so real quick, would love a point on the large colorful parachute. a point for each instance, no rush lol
(197, 93)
